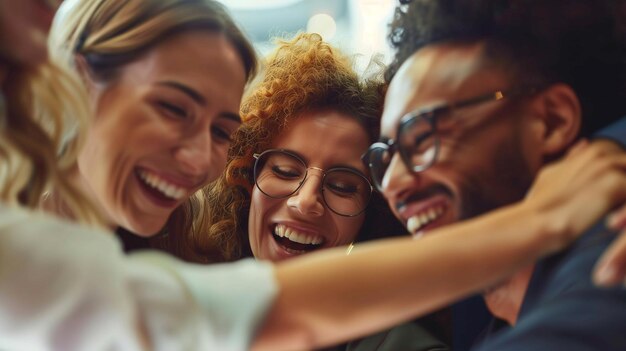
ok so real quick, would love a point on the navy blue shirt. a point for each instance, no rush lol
(562, 308)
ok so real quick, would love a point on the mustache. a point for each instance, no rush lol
(436, 189)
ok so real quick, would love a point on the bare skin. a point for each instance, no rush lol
(611, 267)
(547, 220)
(409, 273)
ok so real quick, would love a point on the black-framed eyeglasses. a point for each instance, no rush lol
(417, 140)
(280, 173)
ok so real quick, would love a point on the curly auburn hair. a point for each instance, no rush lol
(302, 74)
(540, 42)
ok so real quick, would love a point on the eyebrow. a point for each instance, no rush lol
(338, 165)
(352, 168)
(192, 93)
(197, 97)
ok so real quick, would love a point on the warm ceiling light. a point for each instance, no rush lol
(322, 24)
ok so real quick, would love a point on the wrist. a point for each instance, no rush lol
(549, 229)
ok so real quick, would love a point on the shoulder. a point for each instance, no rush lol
(615, 131)
(563, 309)
(570, 270)
(39, 233)
(581, 320)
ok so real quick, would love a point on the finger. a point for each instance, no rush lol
(606, 166)
(611, 268)
(588, 157)
(617, 219)
(577, 148)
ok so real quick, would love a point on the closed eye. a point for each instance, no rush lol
(172, 109)
(342, 188)
(422, 137)
(285, 172)
(221, 134)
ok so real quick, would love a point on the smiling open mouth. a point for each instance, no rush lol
(295, 242)
(421, 220)
(159, 187)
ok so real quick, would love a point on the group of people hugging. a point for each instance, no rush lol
(163, 188)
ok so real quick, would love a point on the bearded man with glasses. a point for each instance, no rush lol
(484, 94)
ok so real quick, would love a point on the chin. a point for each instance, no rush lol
(145, 230)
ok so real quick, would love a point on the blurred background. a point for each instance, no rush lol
(356, 26)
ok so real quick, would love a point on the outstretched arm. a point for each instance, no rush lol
(328, 297)
(323, 298)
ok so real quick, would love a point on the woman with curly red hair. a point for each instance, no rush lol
(295, 182)
(96, 298)
(305, 82)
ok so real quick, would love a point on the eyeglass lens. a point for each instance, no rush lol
(279, 174)
(417, 144)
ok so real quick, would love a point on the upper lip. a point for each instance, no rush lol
(307, 228)
(300, 226)
(181, 180)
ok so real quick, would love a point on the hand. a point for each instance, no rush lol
(575, 192)
(611, 268)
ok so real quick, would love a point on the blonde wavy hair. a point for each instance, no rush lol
(303, 74)
(42, 128)
(109, 34)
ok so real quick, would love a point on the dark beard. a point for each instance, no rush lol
(513, 178)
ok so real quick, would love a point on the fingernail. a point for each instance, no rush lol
(605, 275)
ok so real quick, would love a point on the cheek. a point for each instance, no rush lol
(349, 229)
(93, 160)
(218, 162)
(259, 206)
(497, 176)
(102, 147)
(473, 155)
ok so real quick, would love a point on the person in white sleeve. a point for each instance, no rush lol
(66, 286)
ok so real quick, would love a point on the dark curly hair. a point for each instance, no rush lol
(577, 42)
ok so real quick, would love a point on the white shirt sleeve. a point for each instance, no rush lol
(67, 287)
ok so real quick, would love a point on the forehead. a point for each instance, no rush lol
(325, 136)
(205, 61)
(439, 74)
(321, 125)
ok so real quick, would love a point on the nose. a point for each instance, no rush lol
(398, 179)
(194, 154)
(308, 199)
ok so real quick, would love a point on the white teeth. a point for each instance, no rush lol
(413, 224)
(420, 220)
(431, 214)
(284, 232)
(279, 230)
(164, 187)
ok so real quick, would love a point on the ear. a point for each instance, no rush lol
(560, 117)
